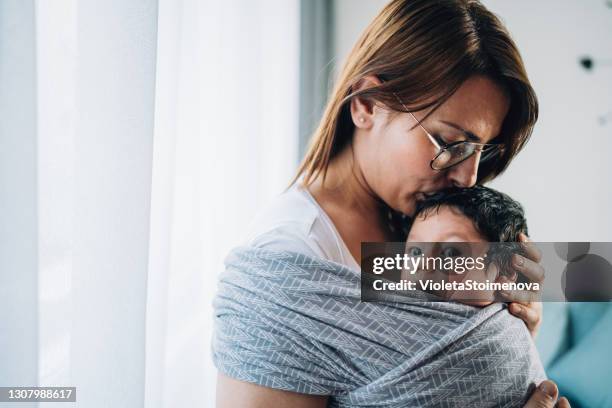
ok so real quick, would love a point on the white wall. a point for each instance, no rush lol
(564, 175)
(351, 17)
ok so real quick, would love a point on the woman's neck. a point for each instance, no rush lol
(357, 213)
(345, 186)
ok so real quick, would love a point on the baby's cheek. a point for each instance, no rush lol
(474, 275)
(478, 275)
(473, 297)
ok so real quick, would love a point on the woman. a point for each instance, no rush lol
(433, 95)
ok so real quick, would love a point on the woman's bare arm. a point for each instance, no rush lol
(233, 393)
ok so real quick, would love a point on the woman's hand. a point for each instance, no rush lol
(530, 313)
(545, 396)
(525, 303)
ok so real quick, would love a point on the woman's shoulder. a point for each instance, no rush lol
(291, 209)
(293, 221)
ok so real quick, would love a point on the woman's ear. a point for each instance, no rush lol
(362, 109)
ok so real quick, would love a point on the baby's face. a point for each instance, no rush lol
(448, 225)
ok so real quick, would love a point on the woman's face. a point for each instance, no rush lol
(394, 156)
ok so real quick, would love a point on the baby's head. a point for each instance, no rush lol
(477, 215)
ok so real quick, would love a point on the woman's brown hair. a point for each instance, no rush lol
(422, 51)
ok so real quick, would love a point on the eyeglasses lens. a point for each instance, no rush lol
(455, 154)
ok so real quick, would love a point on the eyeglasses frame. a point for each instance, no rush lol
(442, 148)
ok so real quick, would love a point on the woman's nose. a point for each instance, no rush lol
(465, 173)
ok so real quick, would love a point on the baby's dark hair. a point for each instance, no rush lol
(495, 215)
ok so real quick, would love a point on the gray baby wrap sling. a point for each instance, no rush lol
(288, 321)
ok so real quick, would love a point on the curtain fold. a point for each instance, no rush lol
(226, 142)
(19, 278)
(77, 92)
(139, 138)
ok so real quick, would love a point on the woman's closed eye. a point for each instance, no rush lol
(445, 141)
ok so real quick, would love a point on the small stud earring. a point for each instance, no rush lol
(361, 119)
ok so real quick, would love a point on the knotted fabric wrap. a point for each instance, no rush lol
(288, 321)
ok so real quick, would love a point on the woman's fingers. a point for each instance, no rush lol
(563, 403)
(528, 266)
(530, 313)
(531, 269)
(526, 306)
(520, 296)
(531, 250)
(544, 396)
(525, 303)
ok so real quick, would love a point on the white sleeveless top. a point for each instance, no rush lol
(294, 221)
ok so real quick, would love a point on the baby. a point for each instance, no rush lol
(459, 223)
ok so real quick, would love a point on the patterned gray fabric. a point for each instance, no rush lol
(287, 321)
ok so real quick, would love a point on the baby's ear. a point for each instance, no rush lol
(506, 278)
(492, 272)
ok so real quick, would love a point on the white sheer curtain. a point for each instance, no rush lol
(137, 140)
(77, 88)
(225, 142)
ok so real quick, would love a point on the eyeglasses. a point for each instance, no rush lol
(451, 154)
